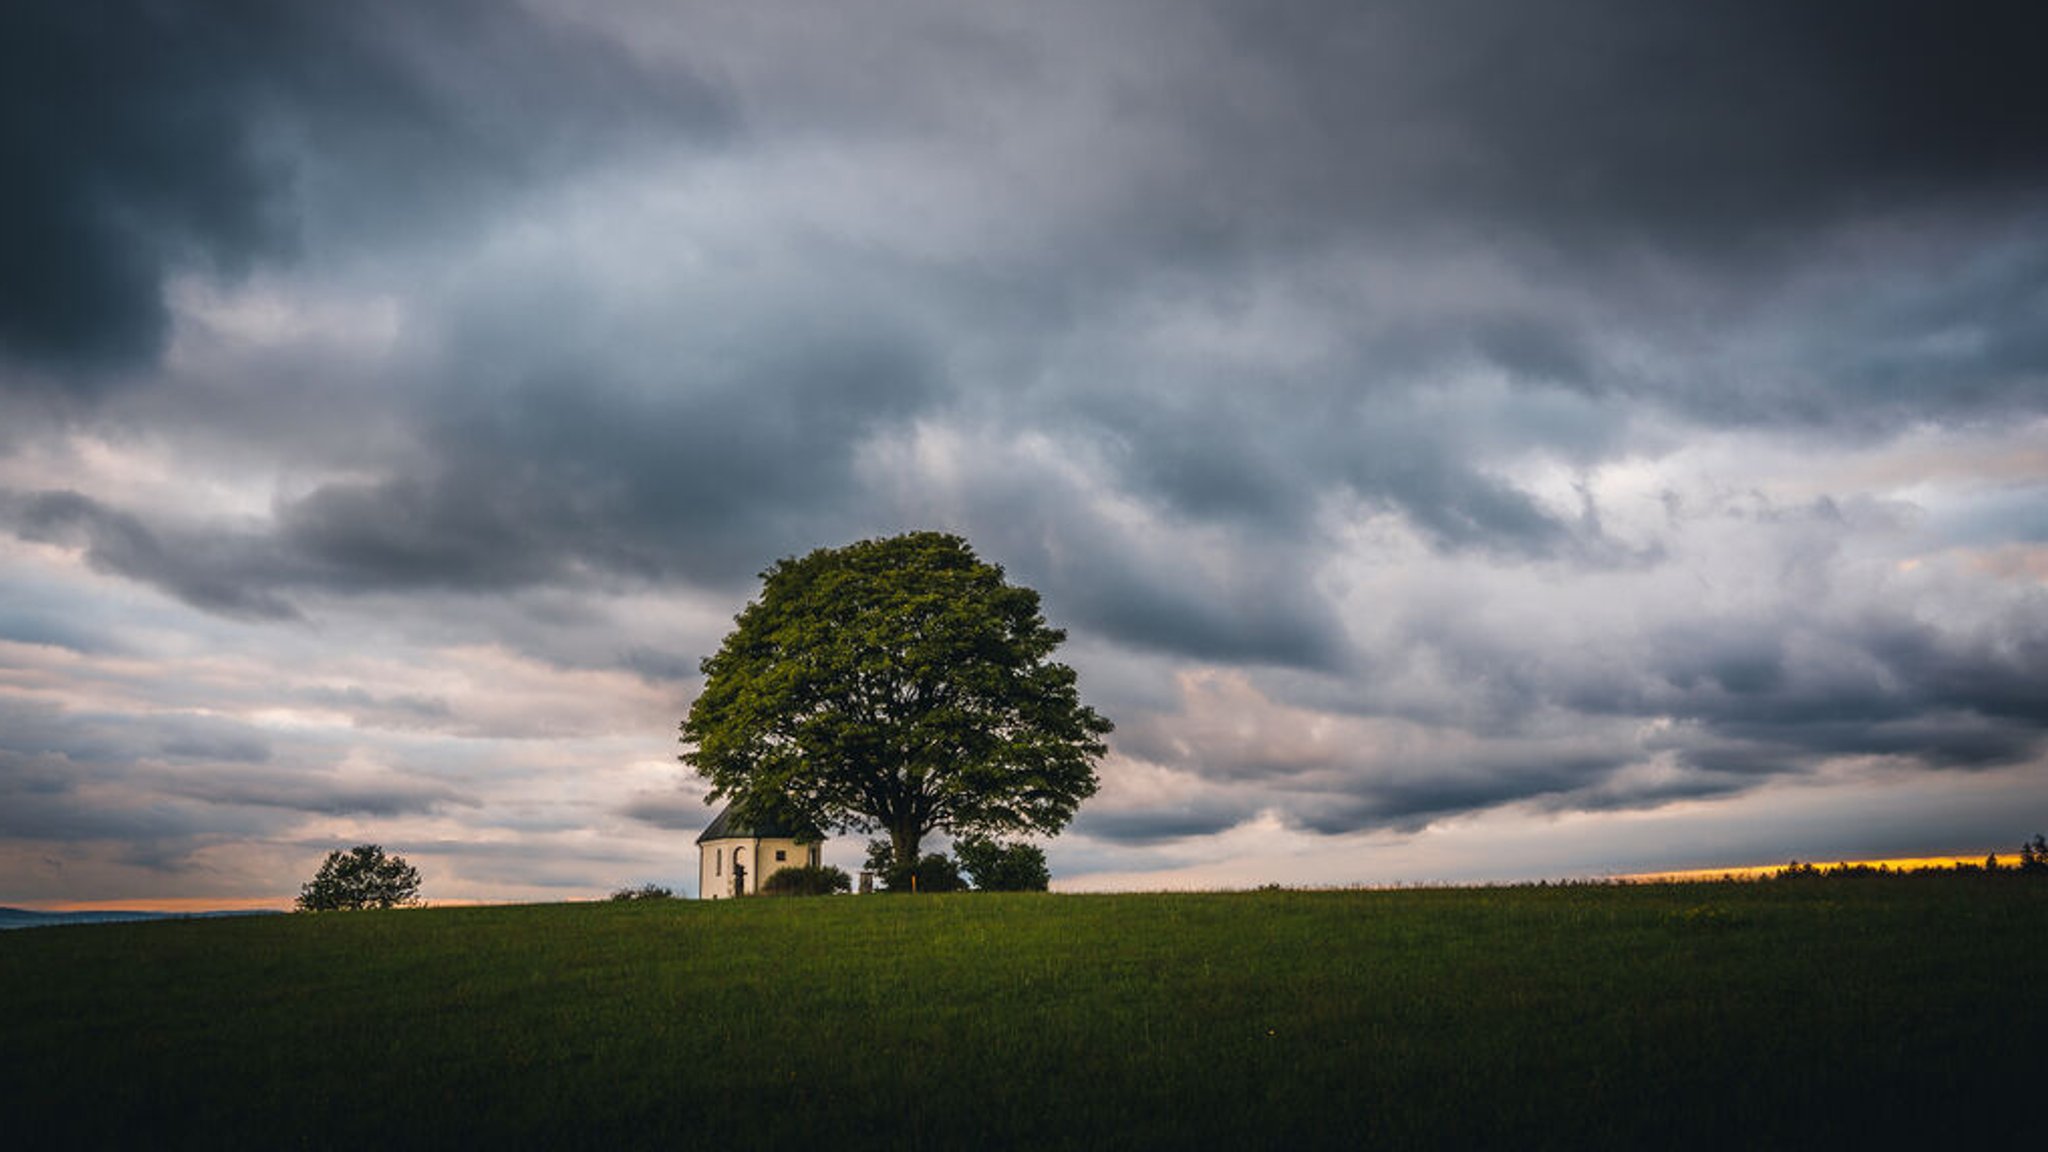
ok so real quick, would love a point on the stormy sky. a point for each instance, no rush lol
(1472, 440)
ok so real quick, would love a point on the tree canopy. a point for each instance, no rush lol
(999, 867)
(899, 686)
(362, 877)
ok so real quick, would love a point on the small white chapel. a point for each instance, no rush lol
(734, 858)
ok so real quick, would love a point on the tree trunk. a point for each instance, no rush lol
(903, 839)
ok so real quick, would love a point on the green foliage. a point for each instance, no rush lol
(2034, 855)
(998, 867)
(1712, 917)
(362, 877)
(1828, 1015)
(899, 686)
(933, 872)
(644, 892)
(807, 880)
(881, 861)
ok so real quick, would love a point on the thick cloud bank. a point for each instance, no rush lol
(1609, 431)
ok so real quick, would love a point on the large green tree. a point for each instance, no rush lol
(900, 686)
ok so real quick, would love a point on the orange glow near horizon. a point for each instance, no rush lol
(1754, 871)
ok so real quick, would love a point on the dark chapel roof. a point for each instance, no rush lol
(728, 825)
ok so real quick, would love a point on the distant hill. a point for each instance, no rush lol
(24, 918)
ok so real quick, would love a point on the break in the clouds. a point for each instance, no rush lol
(1606, 430)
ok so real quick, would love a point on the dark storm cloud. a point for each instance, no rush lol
(130, 146)
(1456, 506)
(1159, 823)
(49, 796)
(554, 480)
(1226, 454)
(1663, 124)
(1183, 614)
(312, 793)
(1249, 601)
(1697, 709)
(442, 529)
(565, 475)
(656, 666)
(171, 783)
(216, 571)
(370, 710)
(151, 138)
(1411, 805)
(37, 805)
(673, 812)
(231, 748)
(1703, 179)
(1817, 674)
(705, 476)
(1883, 686)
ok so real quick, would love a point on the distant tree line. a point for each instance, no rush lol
(2033, 861)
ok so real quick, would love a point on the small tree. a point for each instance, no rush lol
(362, 877)
(2034, 855)
(807, 880)
(997, 867)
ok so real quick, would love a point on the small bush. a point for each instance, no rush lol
(937, 873)
(996, 867)
(934, 873)
(807, 880)
(644, 892)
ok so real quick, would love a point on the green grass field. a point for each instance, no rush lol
(1809, 1014)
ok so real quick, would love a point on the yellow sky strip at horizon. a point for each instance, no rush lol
(1752, 871)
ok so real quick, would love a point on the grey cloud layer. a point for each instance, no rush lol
(216, 135)
(1176, 310)
(166, 785)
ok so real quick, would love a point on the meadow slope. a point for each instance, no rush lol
(1776, 1014)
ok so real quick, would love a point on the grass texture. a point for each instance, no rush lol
(1827, 1012)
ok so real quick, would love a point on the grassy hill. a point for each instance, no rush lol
(1804, 1013)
